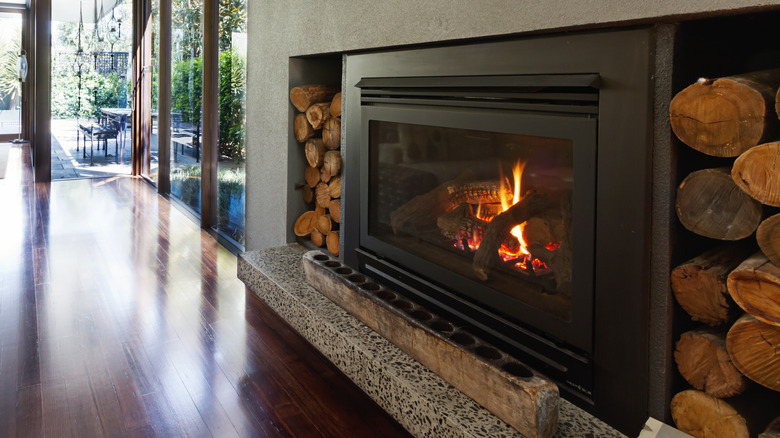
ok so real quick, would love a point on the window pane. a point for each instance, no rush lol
(186, 109)
(232, 119)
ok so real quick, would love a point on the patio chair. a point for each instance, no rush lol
(99, 132)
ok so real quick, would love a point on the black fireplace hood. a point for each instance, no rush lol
(590, 89)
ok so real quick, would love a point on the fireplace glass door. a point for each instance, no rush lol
(496, 207)
(435, 192)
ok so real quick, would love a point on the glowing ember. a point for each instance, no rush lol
(519, 256)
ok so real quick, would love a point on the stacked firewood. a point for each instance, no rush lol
(731, 289)
(318, 128)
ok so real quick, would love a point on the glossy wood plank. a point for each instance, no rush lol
(119, 316)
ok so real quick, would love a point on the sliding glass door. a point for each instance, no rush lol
(231, 175)
(186, 102)
(198, 71)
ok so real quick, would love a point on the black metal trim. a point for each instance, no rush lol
(484, 81)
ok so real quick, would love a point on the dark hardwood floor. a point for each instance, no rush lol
(120, 317)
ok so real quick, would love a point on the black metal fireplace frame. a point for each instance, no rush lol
(621, 269)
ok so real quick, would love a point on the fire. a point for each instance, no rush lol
(515, 187)
(520, 255)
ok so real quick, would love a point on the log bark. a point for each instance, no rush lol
(324, 225)
(317, 238)
(317, 114)
(727, 116)
(312, 176)
(710, 204)
(322, 195)
(478, 192)
(754, 348)
(331, 133)
(755, 286)
(305, 223)
(307, 193)
(334, 187)
(757, 173)
(304, 96)
(704, 416)
(315, 152)
(333, 242)
(335, 105)
(422, 211)
(699, 285)
(335, 210)
(486, 258)
(332, 163)
(772, 429)
(703, 361)
(302, 129)
(768, 237)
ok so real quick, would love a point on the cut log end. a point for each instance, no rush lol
(710, 204)
(700, 284)
(756, 173)
(305, 223)
(703, 361)
(702, 415)
(727, 116)
(754, 348)
(768, 237)
(333, 242)
(755, 287)
(331, 133)
(335, 105)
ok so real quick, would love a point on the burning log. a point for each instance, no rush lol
(480, 192)
(422, 211)
(461, 223)
(486, 257)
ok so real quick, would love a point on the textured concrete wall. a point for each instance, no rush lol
(280, 29)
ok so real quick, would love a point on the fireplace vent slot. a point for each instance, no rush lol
(575, 94)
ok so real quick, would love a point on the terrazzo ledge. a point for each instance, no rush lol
(418, 399)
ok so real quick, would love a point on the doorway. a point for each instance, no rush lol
(90, 88)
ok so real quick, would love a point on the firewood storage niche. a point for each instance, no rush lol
(493, 182)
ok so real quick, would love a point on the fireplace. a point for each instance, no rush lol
(506, 184)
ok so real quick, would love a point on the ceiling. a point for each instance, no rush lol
(68, 10)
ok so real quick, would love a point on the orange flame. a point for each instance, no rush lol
(516, 188)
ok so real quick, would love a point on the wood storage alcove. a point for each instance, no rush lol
(317, 128)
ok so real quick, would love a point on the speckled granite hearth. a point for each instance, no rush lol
(420, 400)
